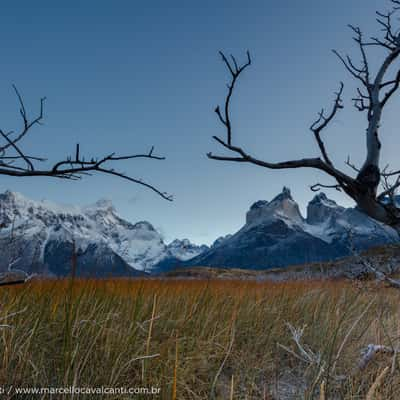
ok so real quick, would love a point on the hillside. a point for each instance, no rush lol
(385, 258)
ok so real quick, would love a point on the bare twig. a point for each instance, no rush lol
(235, 71)
(323, 121)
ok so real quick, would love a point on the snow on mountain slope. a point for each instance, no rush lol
(40, 230)
(37, 236)
(276, 235)
(281, 207)
(185, 250)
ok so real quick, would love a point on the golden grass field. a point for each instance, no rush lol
(201, 339)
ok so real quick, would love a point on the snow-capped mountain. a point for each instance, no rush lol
(38, 236)
(276, 234)
(185, 250)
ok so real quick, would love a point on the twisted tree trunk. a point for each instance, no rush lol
(372, 95)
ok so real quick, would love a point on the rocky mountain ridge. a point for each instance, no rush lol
(37, 236)
(276, 234)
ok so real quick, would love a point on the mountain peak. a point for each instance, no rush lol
(100, 205)
(12, 197)
(284, 195)
(180, 242)
(221, 240)
(322, 198)
(184, 249)
(281, 207)
(144, 225)
(321, 208)
(104, 203)
(259, 204)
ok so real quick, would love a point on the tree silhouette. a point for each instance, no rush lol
(372, 188)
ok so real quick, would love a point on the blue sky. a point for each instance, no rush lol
(125, 75)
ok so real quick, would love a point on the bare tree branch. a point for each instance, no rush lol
(395, 85)
(20, 164)
(317, 163)
(322, 122)
(351, 165)
(348, 64)
(235, 71)
(377, 88)
(318, 186)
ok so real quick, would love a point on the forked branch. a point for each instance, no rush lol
(14, 161)
(325, 164)
(235, 71)
(375, 90)
(323, 121)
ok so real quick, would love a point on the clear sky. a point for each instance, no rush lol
(124, 75)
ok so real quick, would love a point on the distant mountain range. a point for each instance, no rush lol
(37, 237)
(277, 235)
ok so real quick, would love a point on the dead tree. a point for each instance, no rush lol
(15, 161)
(372, 188)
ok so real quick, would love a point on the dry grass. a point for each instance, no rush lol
(200, 339)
